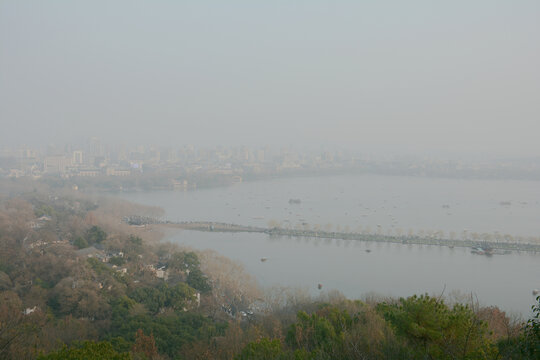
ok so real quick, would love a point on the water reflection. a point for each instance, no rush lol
(384, 268)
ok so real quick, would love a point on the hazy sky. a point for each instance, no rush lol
(399, 76)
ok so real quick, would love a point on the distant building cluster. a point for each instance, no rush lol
(187, 166)
(92, 160)
(96, 159)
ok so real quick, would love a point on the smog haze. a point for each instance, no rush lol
(416, 77)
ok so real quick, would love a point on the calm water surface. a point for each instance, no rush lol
(365, 202)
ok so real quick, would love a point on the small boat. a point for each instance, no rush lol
(263, 259)
(482, 251)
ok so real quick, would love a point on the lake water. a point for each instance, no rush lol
(370, 202)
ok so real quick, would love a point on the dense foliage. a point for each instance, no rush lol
(88, 350)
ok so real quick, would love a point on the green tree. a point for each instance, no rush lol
(44, 210)
(197, 280)
(171, 332)
(117, 260)
(191, 260)
(433, 330)
(162, 296)
(95, 235)
(264, 349)
(135, 240)
(80, 242)
(88, 350)
(320, 334)
(531, 339)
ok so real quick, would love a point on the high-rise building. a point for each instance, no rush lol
(260, 155)
(96, 147)
(77, 158)
(56, 164)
